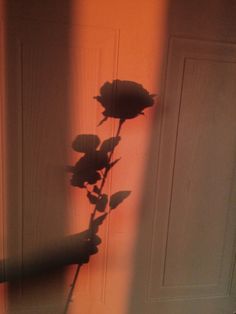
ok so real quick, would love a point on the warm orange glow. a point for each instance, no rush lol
(167, 245)
(124, 40)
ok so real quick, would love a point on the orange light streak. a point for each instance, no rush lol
(123, 40)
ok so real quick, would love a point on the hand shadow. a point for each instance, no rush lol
(75, 249)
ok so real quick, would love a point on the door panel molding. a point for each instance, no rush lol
(191, 62)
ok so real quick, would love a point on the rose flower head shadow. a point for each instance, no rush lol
(123, 99)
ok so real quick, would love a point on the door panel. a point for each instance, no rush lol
(49, 78)
(192, 251)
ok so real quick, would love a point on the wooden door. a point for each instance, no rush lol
(169, 247)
